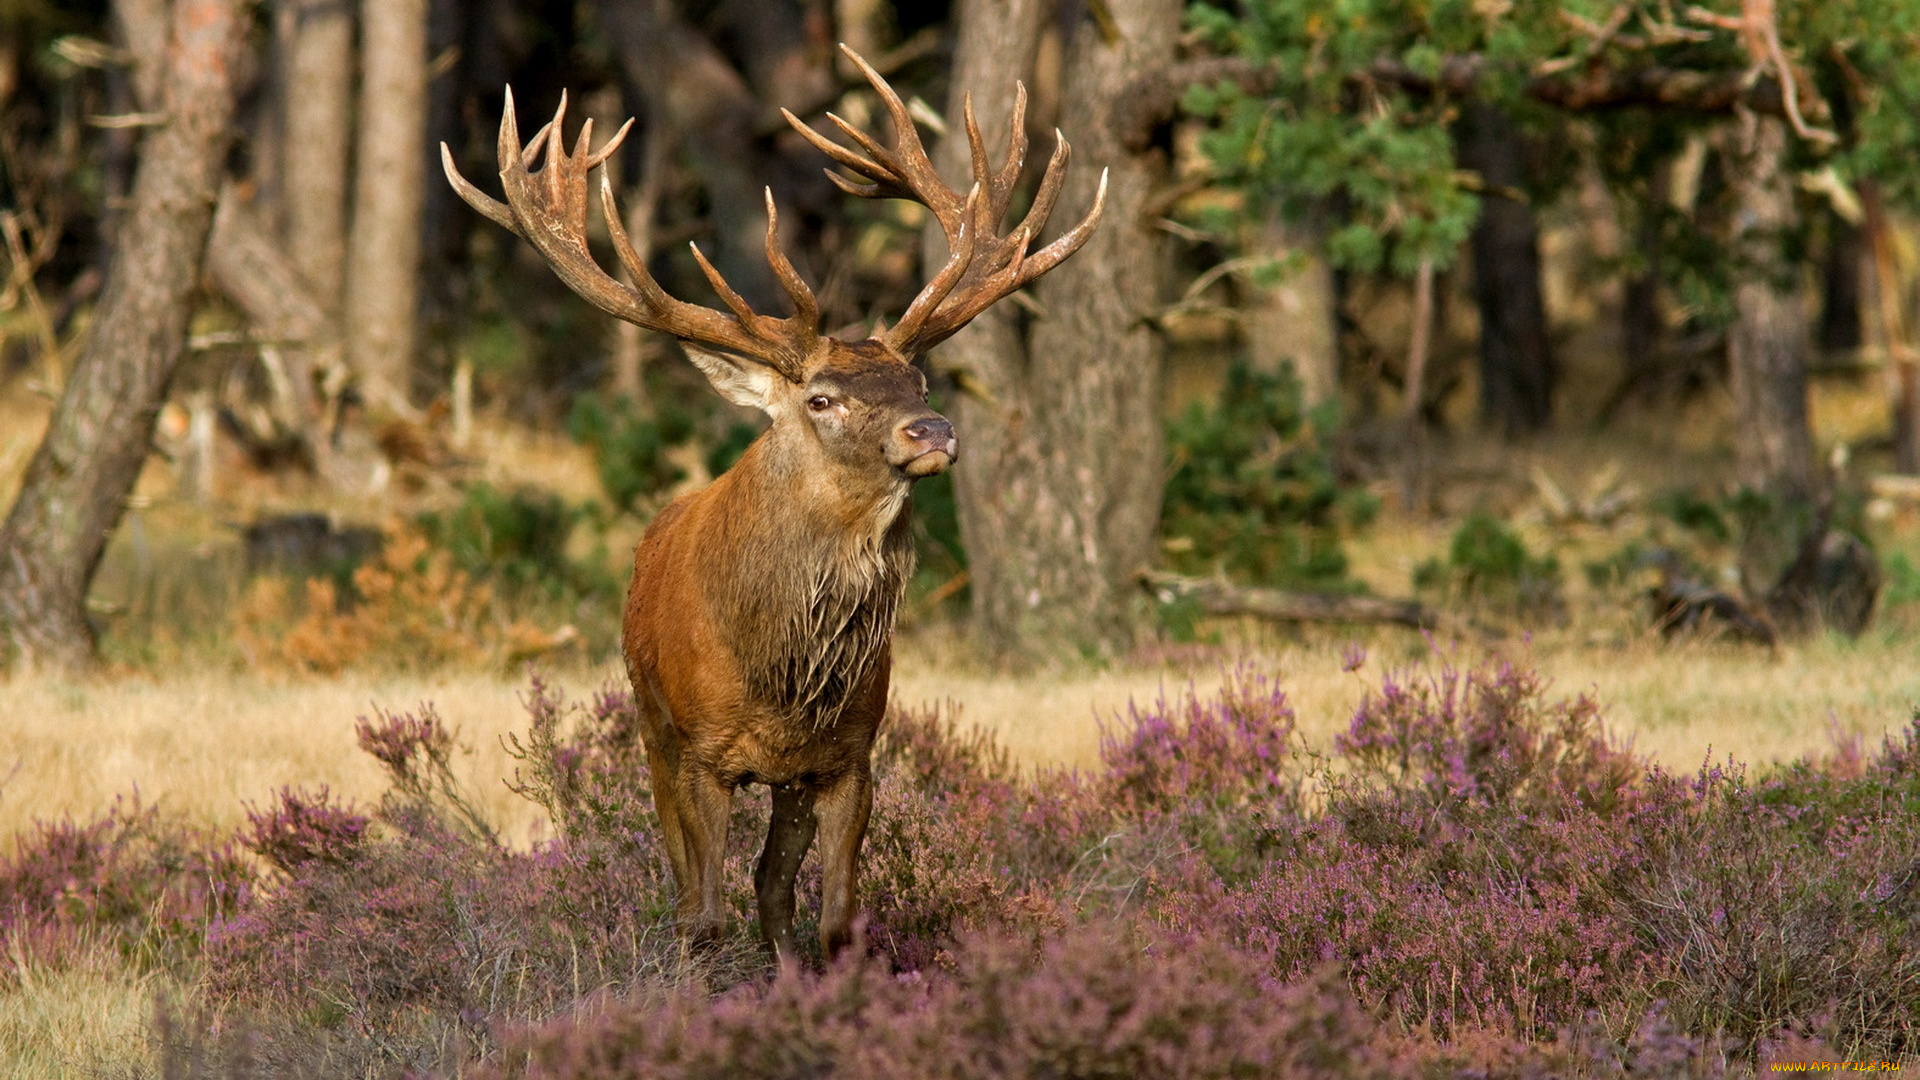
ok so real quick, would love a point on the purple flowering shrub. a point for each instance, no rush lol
(1102, 1000)
(136, 879)
(1478, 882)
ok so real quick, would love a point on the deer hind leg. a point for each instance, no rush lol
(703, 802)
(789, 834)
(842, 807)
(666, 805)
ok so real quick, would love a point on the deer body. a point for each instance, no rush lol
(759, 625)
(748, 669)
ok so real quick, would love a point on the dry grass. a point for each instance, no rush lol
(205, 744)
(89, 1019)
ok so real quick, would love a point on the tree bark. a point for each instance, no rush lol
(1896, 334)
(1295, 320)
(1767, 344)
(316, 40)
(77, 485)
(383, 257)
(1059, 495)
(1516, 359)
(691, 88)
(295, 332)
(1843, 285)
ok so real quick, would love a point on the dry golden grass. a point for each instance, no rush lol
(91, 1018)
(206, 744)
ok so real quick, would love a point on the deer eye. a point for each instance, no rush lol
(819, 403)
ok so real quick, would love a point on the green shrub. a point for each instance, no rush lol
(1489, 565)
(630, 449)
(521, 544)
(1253, 488)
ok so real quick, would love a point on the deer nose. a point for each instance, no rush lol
(931, 433)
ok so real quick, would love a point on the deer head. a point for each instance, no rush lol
(832, 401)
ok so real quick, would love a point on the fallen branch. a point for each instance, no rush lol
(1218, 597)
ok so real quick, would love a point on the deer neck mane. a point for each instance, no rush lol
(809, 593)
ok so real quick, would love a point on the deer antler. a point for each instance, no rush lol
(984, 265)
(548, 207)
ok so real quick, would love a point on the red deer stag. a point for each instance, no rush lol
(759, 627)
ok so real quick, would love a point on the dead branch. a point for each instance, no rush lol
(1218, 597)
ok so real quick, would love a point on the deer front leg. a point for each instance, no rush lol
(842, 807)
(789, 834)
(703, 803)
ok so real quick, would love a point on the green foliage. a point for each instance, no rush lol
(1356, 116)
(518, 539)
(1488, 564)
(630, 448)
(1902, 580)
(1691, 512)
(1253, 489)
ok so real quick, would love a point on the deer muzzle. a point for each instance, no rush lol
(931, 446)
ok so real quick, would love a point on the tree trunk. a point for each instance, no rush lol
(296, 333)
(1767, 344)
(1516, 360)
(1059, 492)
(77, 485)
(1842, 285)
(383, 256)
(691, 88)
(1294, 321)
(316, 41)
(1896, 333)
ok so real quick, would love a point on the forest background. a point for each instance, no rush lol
(1576, 333)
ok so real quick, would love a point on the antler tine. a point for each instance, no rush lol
(734, 301)
(1015, 271)
(548, 207)
(1051, 182)
(906, 135)
(594, 161)
(984, 265)
(1069, 242)
(942, 285)
(1009, 173)
(902, 171)
(1000, 183)
(806, 310)
(491, 208)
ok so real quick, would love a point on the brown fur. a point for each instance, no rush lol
(758, 634)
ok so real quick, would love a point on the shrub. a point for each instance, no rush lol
(1481, 883)
(145, 883)
(630, 450)
(1090, 1003)
(518, 541)
(635, 454)
(410, 608)
(1489, 738)
(1253, 489)
(303, 828)
(1489, 566)
(405, 939)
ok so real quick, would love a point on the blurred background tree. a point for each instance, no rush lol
(1339, 201)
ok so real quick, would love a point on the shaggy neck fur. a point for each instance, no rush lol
(812, 588)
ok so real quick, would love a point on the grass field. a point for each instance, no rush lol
(206, 744)
(183, 725)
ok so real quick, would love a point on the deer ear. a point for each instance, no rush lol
(741, 381)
